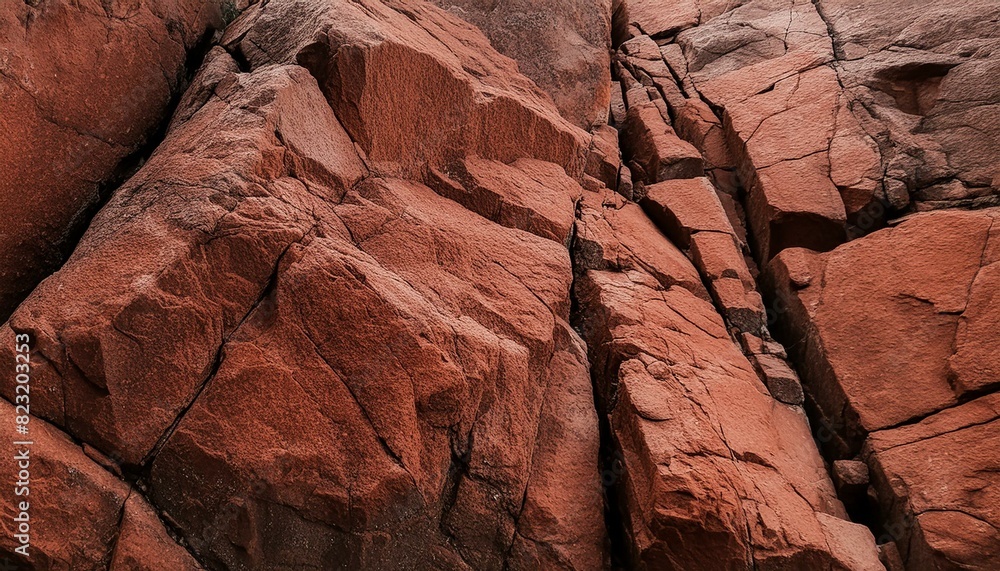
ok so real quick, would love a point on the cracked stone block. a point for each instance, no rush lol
(851, 479)
(913, 302)
(604, 156)
(752, 344)
(636, 96)
(938, 484)
(59, 138)
(684, 207)
(662, 17)
(562, 46)
(110, 369)
(647, 140)
(625, 186)
(617, 104)
(781, 380)
(64, 488)
(612, 234)
(528, 194)
(888, 554)
(702, 445)
(717, 255)
(743, 308)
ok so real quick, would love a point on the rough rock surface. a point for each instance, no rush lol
(63, 66)
(362, 293)
(562, 46)
(928, 315)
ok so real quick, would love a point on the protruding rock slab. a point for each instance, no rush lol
(528, 194)
(908, 302)
(79, 516)
(616, 235)
(563, 46)
(413, 85)
(939, 484)
(132, 326)
(424, 450)
(716, 473)
(83, 87)
(654, 152)
(689, 211)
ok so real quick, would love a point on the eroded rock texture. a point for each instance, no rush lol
(84, 85)
(450, 284)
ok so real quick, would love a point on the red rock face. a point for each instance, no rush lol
(562, 46)
(362, 293)
(65, 67)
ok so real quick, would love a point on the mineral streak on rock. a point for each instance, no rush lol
(475, 285)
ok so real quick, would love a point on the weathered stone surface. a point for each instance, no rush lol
(443, 421)
(661, 17)
(685, 207)
(781, 381)
(656, 152)
(938, 482)
(612, 234)
(718, 255)
(900, 303)
(528, 194)
(80, 516)
(377, 302)
(263, 258)
(63, 66)
(563, 46)
(716, 473)
(411, 84)
(604, 158)
(143, 543)
(201, 237)
(928, 65)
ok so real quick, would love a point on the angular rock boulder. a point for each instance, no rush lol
(924, 287)
(562, 46)
(79, 516)
(264, 255)
(937, 483)
(64, 66)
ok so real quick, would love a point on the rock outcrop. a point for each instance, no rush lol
(455, 284)
(85, 86)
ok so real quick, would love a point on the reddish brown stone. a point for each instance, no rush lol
(65, 65)
(662, 17)
(443, 418)
(717, 255)
(612, 234)
(528, 194)
(682, 208)
(938, 482)
(896, 304)
(562, 46)
(143, 543)
(704, 447)
(80, 516)
(377, 62)
(335, 319)
(604, 158)
(650, 143)
(110, 369)
(781, 381)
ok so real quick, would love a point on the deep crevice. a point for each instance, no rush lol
(609, 462)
